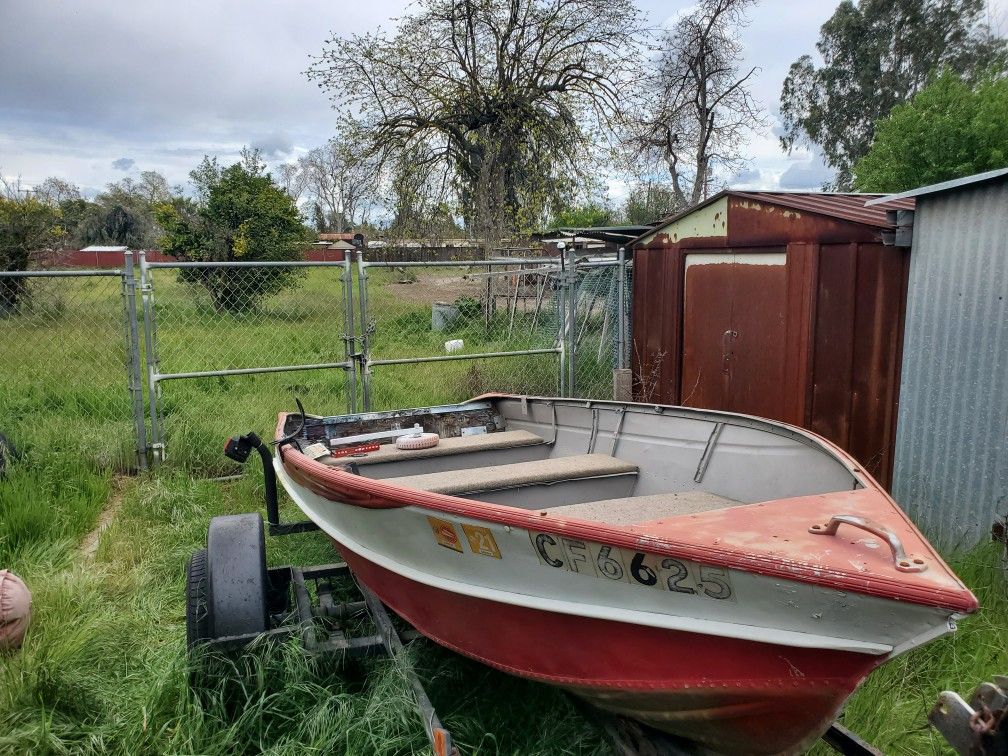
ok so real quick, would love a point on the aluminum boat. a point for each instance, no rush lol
(721, 577)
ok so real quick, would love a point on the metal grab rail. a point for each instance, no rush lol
(904, 562)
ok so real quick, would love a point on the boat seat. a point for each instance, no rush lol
(446, 447)
(534, 473)
(634, 509)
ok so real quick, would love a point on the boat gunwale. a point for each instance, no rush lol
(370, 493)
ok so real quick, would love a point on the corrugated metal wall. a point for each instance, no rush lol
(951, 465)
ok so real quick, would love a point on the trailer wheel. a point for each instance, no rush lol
(236, 567)
(199, 624)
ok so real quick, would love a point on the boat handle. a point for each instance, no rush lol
(904, 562)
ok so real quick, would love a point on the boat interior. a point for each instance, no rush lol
(602, 461)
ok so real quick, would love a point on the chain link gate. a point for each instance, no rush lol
(229, 338)
(70, 364)
(428, 332)
(439, 332)
(517, 325)
(219, 331)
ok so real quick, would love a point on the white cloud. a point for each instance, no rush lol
(167, 82)
(809, 174)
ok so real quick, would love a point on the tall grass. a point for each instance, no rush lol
(104, 668)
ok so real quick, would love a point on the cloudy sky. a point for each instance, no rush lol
(95, 91)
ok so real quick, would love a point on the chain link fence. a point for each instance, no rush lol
(69, 364)
(182, 355)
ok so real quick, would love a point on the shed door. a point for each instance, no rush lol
(733, 331)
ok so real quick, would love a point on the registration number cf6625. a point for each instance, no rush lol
(634, 567)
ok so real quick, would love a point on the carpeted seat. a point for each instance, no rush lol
(449, 446)
(537, 472)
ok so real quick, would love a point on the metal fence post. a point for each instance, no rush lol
(150, 349)
(560, 306)
(621, 313)
(365, 352)
(571, 329)
(349, 338)
(133, 357)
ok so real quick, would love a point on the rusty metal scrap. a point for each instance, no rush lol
(978, 727)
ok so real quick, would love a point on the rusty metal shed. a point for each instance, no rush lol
(778, 304)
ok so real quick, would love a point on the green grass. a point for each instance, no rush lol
(104, 669)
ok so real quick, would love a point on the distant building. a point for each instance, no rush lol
(340, 237)
(951, 463)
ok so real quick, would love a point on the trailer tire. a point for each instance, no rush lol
(236, 568)
(199, 623)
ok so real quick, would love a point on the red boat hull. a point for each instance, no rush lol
(732, 696)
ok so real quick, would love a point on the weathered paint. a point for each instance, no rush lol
(840, 342)
(709, 220)
(812, 215)
(788, 623)
(735, 258)
(951, 469)
(734, 346)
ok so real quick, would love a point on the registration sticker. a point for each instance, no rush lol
(445, 534)
(619, 565)
(481, 540)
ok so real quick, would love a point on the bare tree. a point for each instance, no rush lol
(699, 105)
(291, 179)
(54, 191)
(342, 180)
(508, 96)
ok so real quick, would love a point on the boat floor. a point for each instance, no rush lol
(631, 510)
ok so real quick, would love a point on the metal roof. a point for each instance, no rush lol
(849, 207)
(614, 234)
(944, 186)
(98, 248)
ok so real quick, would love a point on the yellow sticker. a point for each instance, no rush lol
(481, 540)
(445, 534)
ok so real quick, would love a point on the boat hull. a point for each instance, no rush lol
(716, 687)
(740, 628)
(729, 695)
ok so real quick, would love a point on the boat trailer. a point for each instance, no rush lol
(302, 602)
(233, 600)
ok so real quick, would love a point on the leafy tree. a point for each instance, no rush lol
(648, 202)
(583, 216)
(697, 110)
(240, 215)
(26, 225)
(875, 55)
(950, 129)
(499, 102)
(122, 214)
(419, 202)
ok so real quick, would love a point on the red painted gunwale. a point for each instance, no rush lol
(710, 533)
(737, 695)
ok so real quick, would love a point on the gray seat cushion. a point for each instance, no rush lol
(449, 446)
(537, 472)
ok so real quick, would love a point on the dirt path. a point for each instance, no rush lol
(89, 544)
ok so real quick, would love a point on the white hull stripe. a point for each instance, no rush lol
(594, 611)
